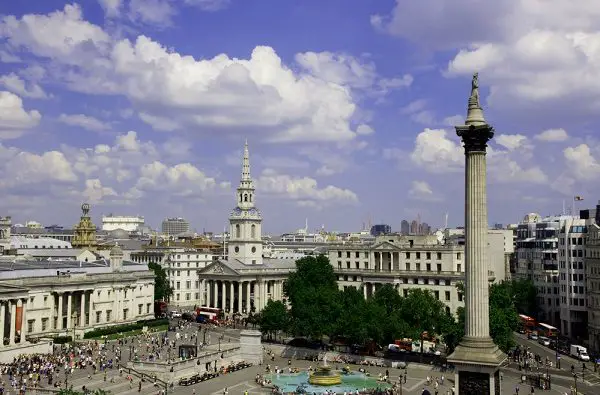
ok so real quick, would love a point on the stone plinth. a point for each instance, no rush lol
(251, 347)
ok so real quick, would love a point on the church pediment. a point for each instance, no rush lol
(218, 268)
(385, 246)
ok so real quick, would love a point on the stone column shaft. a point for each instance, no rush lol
(13, 321)
(59, 321)
(202, 293)
(82, 310)
(215, 300)
(240, 297)
(69, 309)
(223, 295)
(2, 321)
(476, 284)
(365, 290)
(231, 296)
(248, 291)
(23, 320)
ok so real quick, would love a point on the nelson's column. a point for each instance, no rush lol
(477, 358)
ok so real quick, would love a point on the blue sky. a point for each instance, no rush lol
(142, 108)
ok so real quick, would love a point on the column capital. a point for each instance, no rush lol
(475, 138)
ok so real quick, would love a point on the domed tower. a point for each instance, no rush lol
(245, 221)
(116, 258)
(85, 231)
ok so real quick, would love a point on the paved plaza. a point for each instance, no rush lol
(244, 380)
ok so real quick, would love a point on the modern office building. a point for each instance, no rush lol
(380, 229)
(175, 226)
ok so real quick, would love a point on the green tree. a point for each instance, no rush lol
(525, 297)
(314, 297)
(162, 287)
(273, 318)
(423, 312)
(353, 325)
(386, 321)
(503, 315)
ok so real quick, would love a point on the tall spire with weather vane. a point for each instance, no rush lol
(474, 111)
(246, 165)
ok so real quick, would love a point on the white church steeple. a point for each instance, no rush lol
(245, 221)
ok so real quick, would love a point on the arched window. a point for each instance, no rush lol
(253, 231)
(245, 197)
(250, 197)
(237, 231)
(241, 200)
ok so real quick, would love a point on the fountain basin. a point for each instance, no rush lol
(351, 382)
(325, 376)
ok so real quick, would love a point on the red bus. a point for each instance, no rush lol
(211, 313)
(527, 324)
(547, 330)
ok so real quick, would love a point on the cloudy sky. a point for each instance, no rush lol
(141, 107)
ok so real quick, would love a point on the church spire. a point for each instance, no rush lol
(474, 111)
(246, 164)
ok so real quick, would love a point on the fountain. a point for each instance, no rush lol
(324, 376)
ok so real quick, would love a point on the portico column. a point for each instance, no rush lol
(231, 295)
(365, 290)
(380, 261)
(202, 294)
(23, 320)
(59, 321)
(82, 310)
(240, 303)
(13, 321)
(264, 294)
(392, 261)
(223, 295)
(69, 308)
(2, 320)
(215, 293)
(248, 288)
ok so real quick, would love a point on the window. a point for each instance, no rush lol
(428, 255)
(253, 231)
(459, 268)
(447, 295)
(125, 312)
(108, 315)
(30, 325)
(178, 285)
(439, 255)
(339, 254)
(98, 315)
(407, 265)
(236, 249)
(357, 254)
(148, 308)
(44, 324)
(458, 256)
(418, 255)
(245, 197)
(407, 255)
(237, 231)
(140, 308)
(429, 267)
(253, 248)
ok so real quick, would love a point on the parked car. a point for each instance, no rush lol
(175, 314)
(532, 336)
(544, 341)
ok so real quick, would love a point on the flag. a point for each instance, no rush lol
(578, 198)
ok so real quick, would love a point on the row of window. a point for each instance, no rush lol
(408, 267)
(574, 301)
(573, 277)
(407, 255)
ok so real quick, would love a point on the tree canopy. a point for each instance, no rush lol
(162, 287)
(273, 317)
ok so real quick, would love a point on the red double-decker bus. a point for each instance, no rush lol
(527, 324)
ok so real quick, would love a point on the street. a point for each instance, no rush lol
(593, 378)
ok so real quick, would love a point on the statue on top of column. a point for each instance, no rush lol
(475, 90)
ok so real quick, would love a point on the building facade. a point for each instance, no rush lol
(42, 299)
(537, 259)
(127, 223)
(592, 269)
(175, 226)
(405, 262)
(573, 306)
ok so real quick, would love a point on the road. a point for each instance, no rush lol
(593, 378)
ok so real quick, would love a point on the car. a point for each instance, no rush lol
(532, 336)
(544, 341)
(175, 314)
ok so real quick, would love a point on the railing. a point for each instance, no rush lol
(143, 376)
